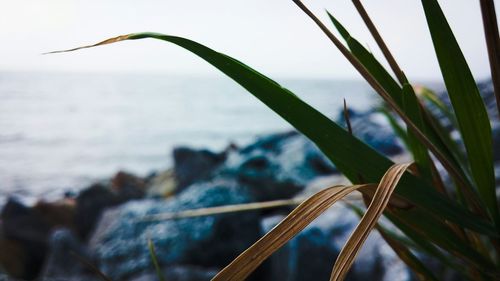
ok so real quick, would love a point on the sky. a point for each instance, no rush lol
(272, 36)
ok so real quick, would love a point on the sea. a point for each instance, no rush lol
(60, 132)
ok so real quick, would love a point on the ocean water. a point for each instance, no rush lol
(61, 131)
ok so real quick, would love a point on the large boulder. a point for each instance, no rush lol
(65, 257)
(369, 126)
(192, 165)
(25, 231)
(276, 166)
(120, 241)
(128, 186)
(93, 200)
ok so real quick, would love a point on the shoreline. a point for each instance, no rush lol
(103, 222)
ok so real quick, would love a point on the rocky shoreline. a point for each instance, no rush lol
(104, 224)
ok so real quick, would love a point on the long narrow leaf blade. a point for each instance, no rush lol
(412, 109)
(438, 139)
(370, 62)
(338, 145)
(154, 259)
(439, 234)
(380, 200)
(469, 108)
(402, 248)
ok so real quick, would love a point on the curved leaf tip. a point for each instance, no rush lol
(105, 42)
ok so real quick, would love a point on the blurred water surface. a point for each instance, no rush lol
(61, 131)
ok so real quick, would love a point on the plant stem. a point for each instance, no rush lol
(490, 25)
(347, 119)
(380, 42)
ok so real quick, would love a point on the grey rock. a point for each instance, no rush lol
(192, 165)
(180, 273)
(93, 200)
(120, 242)
(369, 127)
(62, 260)
(276, 166)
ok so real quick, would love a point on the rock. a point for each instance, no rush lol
(4, 277)
(63, 257)
(488, 93)
(180, 273)
(92, 201)
(59, 213)
(276, 166)
(128, 186)
(162, 185)
(496, 143)
(12, 258)
(191, 165)
(120, 241)
(90, 204)
(25, 233)
(272, 142)
(369, 127)
(313, 251)
(323, 182)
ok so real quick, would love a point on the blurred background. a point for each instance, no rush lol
(147, 127)
(68, 119)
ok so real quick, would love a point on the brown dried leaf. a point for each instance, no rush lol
(368, 221)
(105, 42)
(295, 222)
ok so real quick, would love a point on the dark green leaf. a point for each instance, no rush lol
(154, 259)
(395, 91)
(438, 233)
(396, 127)
(467, 103)
(411, 107)
(344, 150)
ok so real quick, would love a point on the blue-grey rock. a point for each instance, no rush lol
(120, 242)
(496, 142)
(369, 127)
(93, 200)
(276, 166)
(193, 165)
(180, 273)
(64, 257)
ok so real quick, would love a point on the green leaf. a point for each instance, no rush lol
(344, 150)
(422, 244)
(154, 258)
(411, 107)
(467, 103)
(395, 91)
(370, 63)
(440, 234)
(408, 258)
(440, 139)
(444, 135)
(401, 248)
(396, 127)
(430, 96)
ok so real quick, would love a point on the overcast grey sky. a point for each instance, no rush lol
(273, 36)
